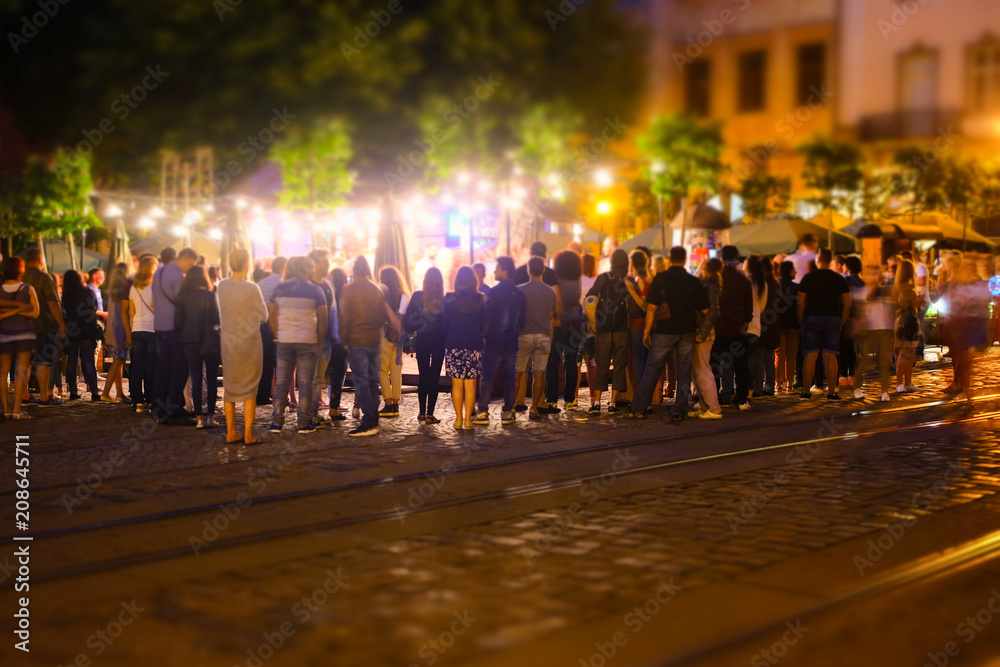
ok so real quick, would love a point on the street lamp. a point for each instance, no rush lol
(603, 178)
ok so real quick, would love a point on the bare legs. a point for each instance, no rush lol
(249, 410)
(463, 398)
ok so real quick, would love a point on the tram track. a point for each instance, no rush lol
(488, 496)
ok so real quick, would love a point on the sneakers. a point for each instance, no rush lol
(595, 409)
(389, 411)
(900, 389)
(534, 414)
(833, 397)
(209, 421)
(885, 397)
(274, 428)
(572, 405)
(805, 396)
(482, 418)
(695, 414)
(710, 415)
(549, 410)
(520, 408)
(744, 406)
(140, 407)
(363, 431)
(199, 422)
(507, 417)
(614, 409)
(859, 393)
(767, 392)
(815, 390)
(308, 427)
(910, 388)
(322, 422)
(53, 401)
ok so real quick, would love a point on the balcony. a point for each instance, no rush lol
(908, 124)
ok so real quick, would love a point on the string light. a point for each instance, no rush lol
(156, 212)
(114, 211)
(146, 222)
(241, 202)
(603, 178)
(215, 234)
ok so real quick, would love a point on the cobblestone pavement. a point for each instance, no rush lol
(454, 589)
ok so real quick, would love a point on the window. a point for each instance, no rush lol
(697, 94)
(985, 70)
(751, 82)
(812, 72)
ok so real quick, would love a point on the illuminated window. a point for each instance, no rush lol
(753, 66)
(698, 91)
(985, 78)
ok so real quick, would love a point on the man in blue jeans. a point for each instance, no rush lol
(171, 369)
(824, 305)
(505, 312)
(298, 315)
(363, 315)
(685, 297)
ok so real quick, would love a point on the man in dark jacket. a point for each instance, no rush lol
(505, 312)
(731, 352)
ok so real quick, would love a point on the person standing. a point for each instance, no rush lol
(397, 298)
(298, 316)
(480, 270)
(611, 327)
(968, 317)
(197, 324)
(505, 316)
(82, 332)
(171, 368)
(788, 321)
(731, 353)
(805, 253)
(875, 335)
(321, 266)
(708, 390)
(140, 336)
(270, 359)
(95, 278)
(904, 295)
(424, 321)
(50, 326)
(336, 371)
(764, 331)
(638, 282)
(685, 297)
(115, 335)
(363, 316)
(522, 276)
(241, 312)
(464, 318)
(921, 277)
(535, 338)
(568, 334)
(823, 308)
(17, 334)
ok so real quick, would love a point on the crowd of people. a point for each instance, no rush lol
(642, 325)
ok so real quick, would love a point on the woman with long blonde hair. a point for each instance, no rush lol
(140, 335)
(115, 337)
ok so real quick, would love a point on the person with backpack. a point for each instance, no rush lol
(610, 323)
(675, 298)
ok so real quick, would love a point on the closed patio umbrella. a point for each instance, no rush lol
(777, 235)
(391, 248)
(234, 235)
(119, 247)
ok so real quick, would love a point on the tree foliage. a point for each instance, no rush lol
(314, 166)
(764, 195)
(684, 155)
(833, 171)
(52, 197)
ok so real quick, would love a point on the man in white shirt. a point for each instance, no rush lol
(806, 252)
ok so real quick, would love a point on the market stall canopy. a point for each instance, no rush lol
(780, 235)
(951, 229)
(119, 253)
(656, 238)
(824, 218)
(153, 243)
(701, 216)
(57, 257)
(895, 228)
(556, 211)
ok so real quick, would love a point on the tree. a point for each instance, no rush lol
(959, 187)
(833, 171)
(314, 167)
(53, 199)
(764, 195)
(919, 178)
(684, 155)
